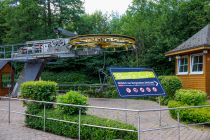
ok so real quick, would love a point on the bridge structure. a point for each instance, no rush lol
(36, 54)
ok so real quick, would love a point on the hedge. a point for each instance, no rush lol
(72, 97)
(39, 90)
(192, 115)
(88, 133)
(170, 85)
(190, 96)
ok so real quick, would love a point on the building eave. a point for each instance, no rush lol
(187, 51)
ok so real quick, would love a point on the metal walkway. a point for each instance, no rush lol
(41, 49)
(35, 54)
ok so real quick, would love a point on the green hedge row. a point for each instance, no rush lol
(190, 96)
(192, 115)
(39, 90)
(87, 133)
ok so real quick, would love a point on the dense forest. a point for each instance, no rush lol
(157, 25)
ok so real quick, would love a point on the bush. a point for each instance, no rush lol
(190, 96)
(170, 85)
(39, 90)
(88, 133)
(71, 97)
(191, 115)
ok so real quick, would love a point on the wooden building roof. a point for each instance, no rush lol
(200, 40)
(3, 63)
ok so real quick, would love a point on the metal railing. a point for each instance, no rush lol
(63, 88)
(25, 52)
(139, 130)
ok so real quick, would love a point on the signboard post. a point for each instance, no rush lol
(136, 82)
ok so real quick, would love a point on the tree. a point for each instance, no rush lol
(33, 19)
(160, 26)
(96, 23)
(23, 21)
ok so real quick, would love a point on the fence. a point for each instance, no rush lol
(163, 128)
(63, 88)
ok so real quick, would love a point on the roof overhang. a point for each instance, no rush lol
(187, 51)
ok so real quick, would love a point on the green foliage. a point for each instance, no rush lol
(170, 85)
(192, 115)
(39, 90)
(186, 98)
(107, 92)
(34, 20)
(72, 97)
(88, 133)
(22, 19)
(96, 23)
(150, 22)
(66, 77)
(190, 96)
(161, 26)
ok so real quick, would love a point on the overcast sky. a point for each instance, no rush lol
(119, 6)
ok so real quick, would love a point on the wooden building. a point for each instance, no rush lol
(6, 78)
(193, 61)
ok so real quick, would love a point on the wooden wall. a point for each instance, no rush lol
(208, 74)
(6, 69)
(197, 81)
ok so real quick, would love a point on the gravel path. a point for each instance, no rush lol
(17, 131)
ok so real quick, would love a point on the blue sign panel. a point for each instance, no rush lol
(136, 82)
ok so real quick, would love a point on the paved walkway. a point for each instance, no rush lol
(17, 131)
(149, 120)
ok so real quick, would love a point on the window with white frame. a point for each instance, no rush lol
(183, 65)
(197, 63)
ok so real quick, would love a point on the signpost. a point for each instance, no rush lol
(136, 82)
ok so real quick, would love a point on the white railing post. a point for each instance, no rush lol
(178, 120)
(139, 127)
(9, 110)
(79, 124)
(44, 117)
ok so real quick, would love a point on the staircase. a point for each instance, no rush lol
(31, 72)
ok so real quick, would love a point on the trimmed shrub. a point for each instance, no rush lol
(190, 96)
(191, 115)
(71, 97)
(170, 85)
(87, 133)
(38, 90)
